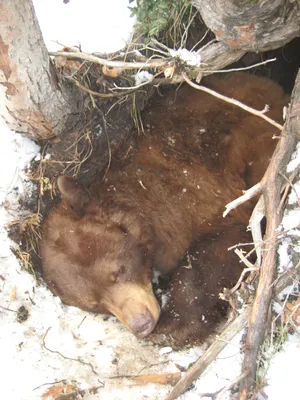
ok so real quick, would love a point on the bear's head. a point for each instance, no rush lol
(98, 258)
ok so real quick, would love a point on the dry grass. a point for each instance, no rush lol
(136, 116)
(29, 230)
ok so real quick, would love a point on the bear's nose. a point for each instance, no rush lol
(142, 325)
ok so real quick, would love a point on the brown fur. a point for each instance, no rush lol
(99, 249)
(194, 309)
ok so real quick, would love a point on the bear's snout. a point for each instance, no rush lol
(135, 306)
(142, 325)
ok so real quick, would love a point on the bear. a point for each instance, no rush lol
(192, 307)
(101, 244)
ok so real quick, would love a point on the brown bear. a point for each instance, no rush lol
(100, 245)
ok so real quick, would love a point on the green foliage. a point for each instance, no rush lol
(156, 16)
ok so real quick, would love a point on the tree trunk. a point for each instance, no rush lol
(252, 25)
(31, 99)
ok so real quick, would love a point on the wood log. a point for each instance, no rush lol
(31, 99)
(251, 25)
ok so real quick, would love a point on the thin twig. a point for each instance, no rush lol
(231, 384)
(240, 254)
(98, 94)
(64, 381)
(223, 71)
(245, 270)
(8, 309)
(237, 103)
(66, 358)
(201, 40)
(291, 185)
(240, 245)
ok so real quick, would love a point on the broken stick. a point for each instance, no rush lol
(209, 356)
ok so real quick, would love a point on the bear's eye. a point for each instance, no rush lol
(118, 273)
(123, 229)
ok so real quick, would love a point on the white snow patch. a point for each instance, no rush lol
(283, 375)
(220, 373)
(284, 257)
(291, 219)
(294, 196)
(291, 289)
(191, 58)
(16, 152)
(142, 77)
(277, 307)
(164, 300)
(95, 26)
(295, 160)
(165, 350)
(186, 357)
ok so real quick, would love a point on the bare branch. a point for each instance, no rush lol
(240, 254)
(249, 194)
(231, 384)
(255, 226)
(224, 71)
(237, 103)
(245, 270)
(156, 63)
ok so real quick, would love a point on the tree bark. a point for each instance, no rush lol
(31, 99)
(251, 25)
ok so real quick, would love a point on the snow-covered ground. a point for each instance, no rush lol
(63, 344)
(94, 25)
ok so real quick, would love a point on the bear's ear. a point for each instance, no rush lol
(73, 193)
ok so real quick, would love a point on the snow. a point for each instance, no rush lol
(15, 154)
(290, 243)
(220, 373)
(84, 23)
(295, 161)
(191, 58)
(165, 350)
(58, 342)
(285, 363)
(283, 374)
(142, 77)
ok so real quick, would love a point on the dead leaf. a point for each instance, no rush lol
(60, 62)
(110, 71)
(169, 72)
(162, 379)
(13, 294)
(292, 310)
(54, 392)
